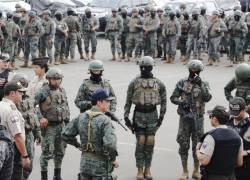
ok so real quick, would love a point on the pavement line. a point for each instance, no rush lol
(155, 148)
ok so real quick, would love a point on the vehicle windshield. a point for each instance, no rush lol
(104, 3)
(9, 0)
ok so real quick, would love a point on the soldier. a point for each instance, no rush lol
(97, 136)
(54, 114)
(216, 29)
(124, 36)
(73, 28)
(47, 39)
(135, 36)
(21, 40)
(32, 126)
(12, 119)
(18, 8)
(159, 33)
(191, 94)
(241, 83)
(171, 33)
(247, 41)
(113, 32)
(194, 33)
(145, 92)
(83, 100)
(238, 30)
(32, 32)
(60, 39)
(89, 26)
(185, 25)
(225, 38)
(150, 26)
(4, 72)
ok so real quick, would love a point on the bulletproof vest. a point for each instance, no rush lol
(243, 90)
(47, 25)
(235, 29)
(170, 28)
(133, 21)
(212, 29)
(146, 92)
(242, 128)
(60, 27)
(32, 29)
(3, 78)
(87, 23)
(22, 22)
(125, 24)
(113, 24)
(185, 25)
(27, 109)
(91, 87)
(227, 144)
(149, 22)
(52, 108)
(194, 28)
(72, 23)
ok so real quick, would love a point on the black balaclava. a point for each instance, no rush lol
(70, 13)
(96, 77)
(1, 14)
(186, 16)
(124, 15)
(171, 16)
(192, 74)
(178, 15)
(146, 71)
(222, 15)
(195, 17)
(88, 14)
(203, 11)
(237, 18)
(58, 17)
(152, 13)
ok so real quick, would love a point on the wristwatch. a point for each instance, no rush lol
(25, 157)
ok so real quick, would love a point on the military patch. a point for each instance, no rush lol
(13, 107)
(14, 119)
(204, 145)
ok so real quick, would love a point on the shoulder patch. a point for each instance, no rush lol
(14, 119)
(13, 107)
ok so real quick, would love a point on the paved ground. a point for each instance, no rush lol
(166, 162)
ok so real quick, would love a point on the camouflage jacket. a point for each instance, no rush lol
(49, 28)
(72, 23)
(171, 28)
(61, 29)
(34, 28)
(88, 23)
(135, 21)
(114, 24)
(13, 31)
(214, 26)
(200, 95)
(83, 97)
(151, 24)
(237, 28)
(196, 28)
(98, 141)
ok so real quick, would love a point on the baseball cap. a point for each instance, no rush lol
(13, 86)
(100, 94)
(4, 57)
(236, 105)
(220, 113)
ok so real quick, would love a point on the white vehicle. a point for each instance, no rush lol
(9, 5)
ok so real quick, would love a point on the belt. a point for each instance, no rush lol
(145, 109)
(98, 156)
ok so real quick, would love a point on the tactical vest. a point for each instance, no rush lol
(212, 33)
(4, 78)
(27, 109)
(92, 87)
(241, 129)
(235, 29)
(170, 28)
(146, 92)
(71, 22)
(125, 24)
(132, 22)
(243, 90)
(227, 144)
(47, 25)
(32, 29)
(185, 25)
(60, 27)
(52, 108)
(194, 28)
(113, 24)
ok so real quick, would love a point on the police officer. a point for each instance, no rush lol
(4, 72)
(97, 136)
(145, 92)
(240, 122)
(191, 94)
(241, 83)
(54, 114)
(221, 148)
(83, 100)
(12, 119)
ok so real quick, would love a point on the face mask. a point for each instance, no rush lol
(152, 14)
(178, 15)
(195, 17)
(146, 71)
(203, 12)
(96, 77)
(192, 74)
(124, 15)
(58, 17)
(237, 18)
(172, 16)
(222, 15)
(88, 14)
(186, 16)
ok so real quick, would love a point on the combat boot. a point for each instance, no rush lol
(13, 66)
(172, 58)
(25, 65)
(119, 56)
(147, 174)
(57, 174)
(184, 175)
(140, 175)
(57, 62)
(82, 56)
(168, 60)
(114, 57)
(63, 61)
(123, 56)
(196, 174)
(87, 56)
(92, 56)
(182, 58)
(44, 175)
(210, 62)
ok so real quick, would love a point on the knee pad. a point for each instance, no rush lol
(141, 139)
(150, 140)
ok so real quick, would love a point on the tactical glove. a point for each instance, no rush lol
(197, 80)
(159, 121)
(128, 124)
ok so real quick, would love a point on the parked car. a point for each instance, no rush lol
(9, 5)
(245, 5)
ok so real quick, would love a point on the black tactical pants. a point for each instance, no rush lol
(17, 169)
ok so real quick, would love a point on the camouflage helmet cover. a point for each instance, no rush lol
(242, 72)
(54, 73)
(96, 65)
(195, 65)
(146, 61)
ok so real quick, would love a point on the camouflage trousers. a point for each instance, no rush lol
(29, 143)
(159, 44)
(31, 47)
(124, 43)
(150, 40)
(11, 47)
(88, 38)
(59, 48)
(224, 44)
(186, 132)
(53, 146)
(135, 41)
(87, 177)
(46, 45)
(114, 42)
(171, 42)
(247, 41)
(214, 48)
(71, 45)
(79, 42)
(192, 45)
(145, 128)
(236, 48)
(182, 44)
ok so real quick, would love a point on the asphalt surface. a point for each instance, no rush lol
(166, 163)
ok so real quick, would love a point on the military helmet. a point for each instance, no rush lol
(70, 9)
(167, 8)
(195, 65)
(147, 8)
(54, 73)
(242, 72)
(183, 6)
(237, 7)
(146, 61)
(32, 13)
(172, 12)
(58, 13)
(47, 12)
(9, 14)
(23, 9)
(238, 13)
(22, 78)
(87, 10)
(135, 9)
(96, 65)
(195, 11)
(18, 6)
(203, 8)
(152, 9)
(114, 10)
(124, 10)
(216, 12)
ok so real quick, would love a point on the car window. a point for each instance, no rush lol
(176, 5)
(104, 3)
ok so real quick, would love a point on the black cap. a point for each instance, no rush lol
(236, 105)
(40, 60)
(220, 113)
(4, 57)
(100, 94)
(13, 86)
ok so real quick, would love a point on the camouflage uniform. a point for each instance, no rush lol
(96, 162)
(185, 25)
(145, 94)
(89, 36)
(203, 41)
(47, 39)
(135, 36)
(159, 33)
(54, 107)
(113, 31)
(188, 93)
(21, 40)
(125, 32)
(238, 30)
(247, 42)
